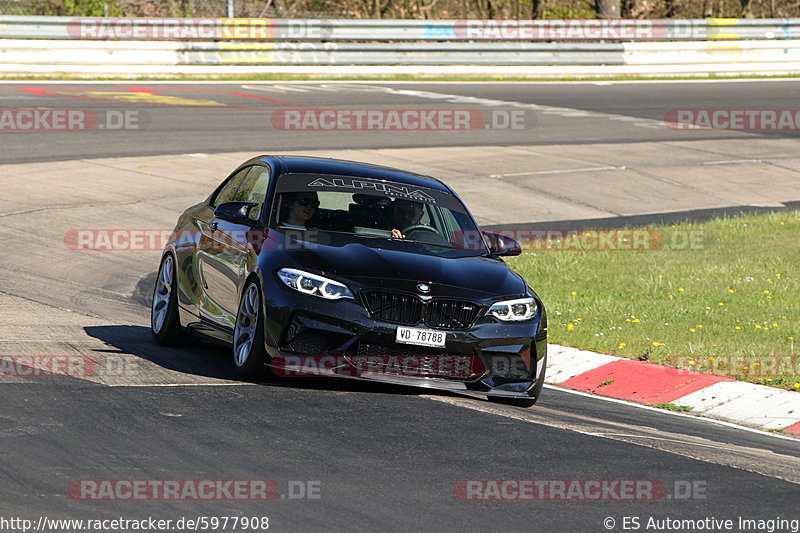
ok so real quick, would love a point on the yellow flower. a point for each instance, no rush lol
(758, 326)
(777, 275)
(681, 289)
(797, 385)
(720, 303)
(635, 320)
(774, 324)
(731, 291)
(661, 275)
(578, 319)
(570, 327)
(707, 307)
(790, 338)
(692, 363)
(769, 297)
(699, 325)
(769, 280)
(738, 327)
(658, 343)
(573, 293)
(693, 330)
(766, 292)
(756, 364)
(769, 379)
(621, 345)
(782, 223)
(711, 358)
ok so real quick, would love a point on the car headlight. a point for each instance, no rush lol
(514, 310)
(313, 284)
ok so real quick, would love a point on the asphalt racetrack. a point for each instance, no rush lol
(338, 455)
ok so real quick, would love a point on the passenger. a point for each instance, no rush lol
(298, 208)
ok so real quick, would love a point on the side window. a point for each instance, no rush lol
(228, 191)
(254, 189)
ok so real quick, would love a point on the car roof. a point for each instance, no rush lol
(285, 164)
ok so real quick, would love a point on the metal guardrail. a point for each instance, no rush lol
(344, 30)
(121, 53)
(363, 47)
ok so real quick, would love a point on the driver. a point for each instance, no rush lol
(405, 214)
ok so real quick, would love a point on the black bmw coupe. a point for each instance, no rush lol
(311, 266)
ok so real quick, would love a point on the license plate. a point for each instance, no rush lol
(420, 337)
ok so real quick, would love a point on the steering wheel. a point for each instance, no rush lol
(419, 227)
(431, 236)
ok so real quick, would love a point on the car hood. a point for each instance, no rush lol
(391, 269)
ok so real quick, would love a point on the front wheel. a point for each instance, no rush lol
(164, 320)
(249, 354)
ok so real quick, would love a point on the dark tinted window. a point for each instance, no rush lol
(228, 191)
(253, 188)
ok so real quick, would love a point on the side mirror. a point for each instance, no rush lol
(501, 245)
(234, 211)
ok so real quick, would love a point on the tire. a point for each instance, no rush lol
(533, 395)
(249, 354)
(164, 320)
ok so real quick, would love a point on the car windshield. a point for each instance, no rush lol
(373, 212)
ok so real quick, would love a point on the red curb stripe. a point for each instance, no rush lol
(793, 429)
(642, 382)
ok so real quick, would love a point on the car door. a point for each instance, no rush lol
(230, 251)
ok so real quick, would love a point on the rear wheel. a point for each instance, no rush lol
(249, 354)
(164, 320)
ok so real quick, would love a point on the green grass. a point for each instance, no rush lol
(729, 305)
(673, 407)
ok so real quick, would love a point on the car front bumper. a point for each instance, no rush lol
(306, 335)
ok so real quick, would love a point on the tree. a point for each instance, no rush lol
(607, 9)
(537, 9)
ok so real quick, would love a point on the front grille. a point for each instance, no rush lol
(408, 309)
(450, 314)
(394, 307)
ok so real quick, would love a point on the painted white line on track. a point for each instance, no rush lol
(670, 413)
(565, 171)
(733, 162)
(761, 461)
(226, 384)
(754, 79)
